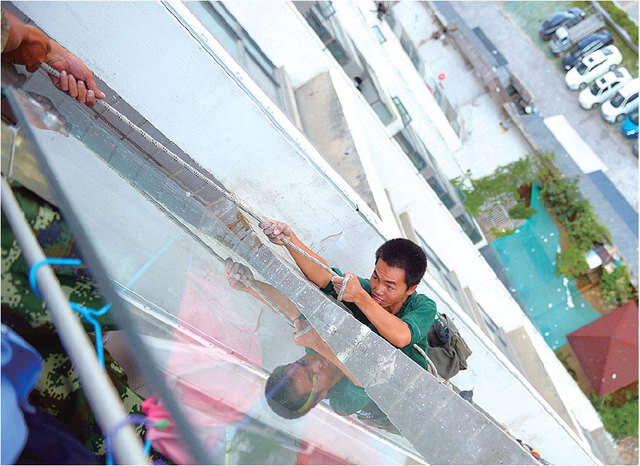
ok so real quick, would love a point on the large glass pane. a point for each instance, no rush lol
(167, 256)
(207, 305)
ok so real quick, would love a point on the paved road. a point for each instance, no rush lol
(540, 75)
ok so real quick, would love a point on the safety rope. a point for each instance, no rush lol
(102, 105)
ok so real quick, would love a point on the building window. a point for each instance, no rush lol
(379, 35)
(217, 26)
(408, 148)
(404, 115)
(469, 228)
(235, 40)
(382, 111)
(336, 49)
(326, 9)
(410, 50)
(317, 26)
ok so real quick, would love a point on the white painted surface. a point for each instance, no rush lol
(223, 120)
(284, 38)
(575, 146)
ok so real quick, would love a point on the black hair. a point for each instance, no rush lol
(282, 397)
(405, 255)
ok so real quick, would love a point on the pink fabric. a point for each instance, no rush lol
(214, 390)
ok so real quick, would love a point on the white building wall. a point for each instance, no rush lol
(214, 112)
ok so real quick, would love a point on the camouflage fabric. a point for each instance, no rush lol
(58, 390)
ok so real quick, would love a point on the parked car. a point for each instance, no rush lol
(592, 66)
(565, 36)
(625, 101)
(585, 47)
(630, 125)
(564, 18)
(603, 88)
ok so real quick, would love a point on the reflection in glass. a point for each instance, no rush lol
(211, 329)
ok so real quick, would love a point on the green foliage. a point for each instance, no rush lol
(564, 359)
(619, 421)
(586, 230)
(561, 195)
(616, 287)
(571, 263)
(500, 234)
(581, 4)
(502, 184)
(520, 211)
(622, 19)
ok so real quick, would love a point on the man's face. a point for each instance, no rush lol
(388, 286)
(310, 367)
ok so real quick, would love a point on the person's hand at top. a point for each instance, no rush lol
(75, 78)
(276, 231)
(26, 45)
(29, 46)
(238, 275)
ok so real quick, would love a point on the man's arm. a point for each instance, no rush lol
(276, 231)
(240, 278)
(392, 328)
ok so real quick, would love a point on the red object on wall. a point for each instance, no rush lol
(441, 76)
(607, 349)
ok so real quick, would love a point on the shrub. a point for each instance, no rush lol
(586, 230)
(562, 196)
(620, 421)
(520, 211)
(616, 287)
(571, 263)
(501, 185)
(499, 234)
(622, 19)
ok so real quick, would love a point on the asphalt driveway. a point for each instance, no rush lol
(542, 76)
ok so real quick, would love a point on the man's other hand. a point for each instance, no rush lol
(352, 290)
(75, 78)
(276, 231)
(238, 275)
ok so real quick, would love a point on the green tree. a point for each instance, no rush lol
(586, 230)
(500, 186)
(571, 263)
(620, 421)
(616, 287)
(562, 196)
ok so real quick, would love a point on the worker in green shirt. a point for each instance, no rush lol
(387, 302)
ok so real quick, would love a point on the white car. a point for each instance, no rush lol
(625, 101)
(603, 88)
(592, 66)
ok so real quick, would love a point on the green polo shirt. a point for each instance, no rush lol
(345, 397)
(418, 312)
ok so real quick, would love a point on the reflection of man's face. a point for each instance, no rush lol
(313, 366)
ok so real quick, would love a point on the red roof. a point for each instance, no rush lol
(607, 349)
